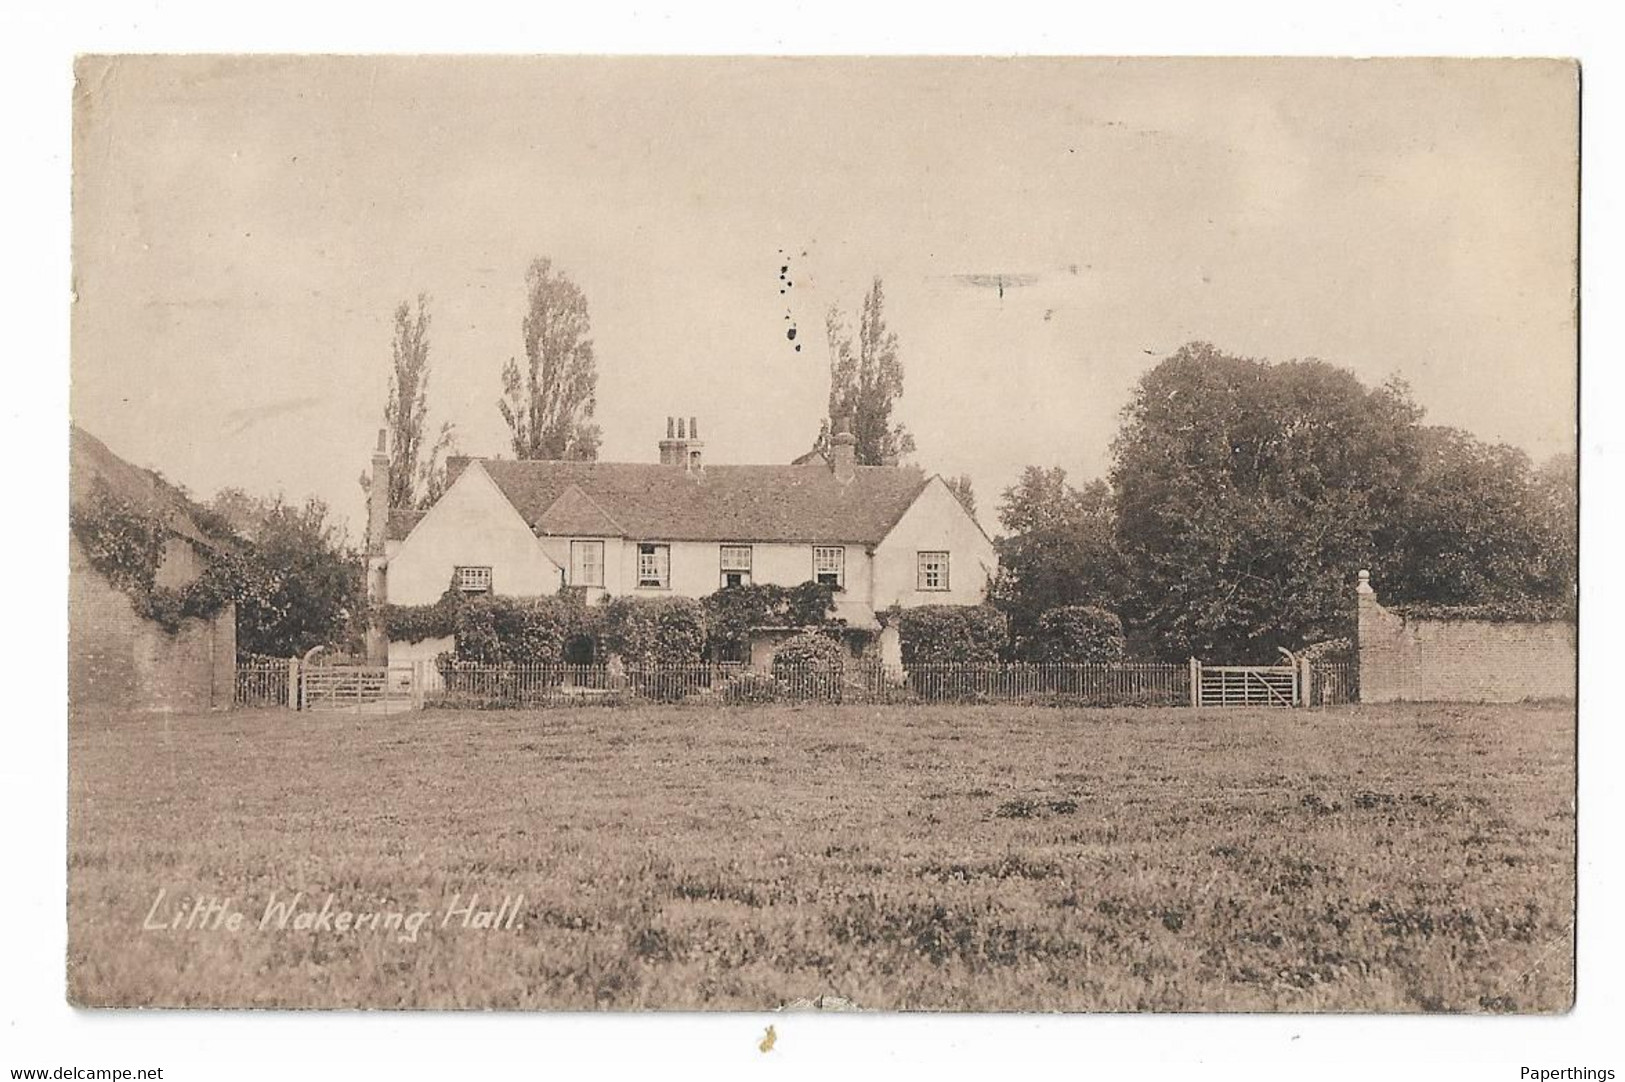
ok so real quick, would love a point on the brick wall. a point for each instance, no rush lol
(120, 660)
(1461, 660)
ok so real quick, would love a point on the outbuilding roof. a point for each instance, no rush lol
(93, 468)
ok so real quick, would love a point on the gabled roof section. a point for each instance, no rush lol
(577, 514)
(719, 503)
(92, 468)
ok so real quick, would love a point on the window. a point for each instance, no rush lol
(933, 572)
(735, 565)
(586, 563)
(829, 566)
(474, 580)
(654, 566)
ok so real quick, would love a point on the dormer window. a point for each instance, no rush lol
(474, 580)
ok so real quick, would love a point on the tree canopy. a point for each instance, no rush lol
(417, 472)
(310, 588)
(548, 403)
(1061, 548)
(1247, 496)
(1249, 493)
(865, 381)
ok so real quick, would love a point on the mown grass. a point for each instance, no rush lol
(1408, 858)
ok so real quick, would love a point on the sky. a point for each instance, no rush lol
(1046, 230)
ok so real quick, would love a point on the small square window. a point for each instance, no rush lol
(829, 566)
(654, 566)
(933, 571)
(474, 580)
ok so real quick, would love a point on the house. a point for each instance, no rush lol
(118, 658)
(882, 535)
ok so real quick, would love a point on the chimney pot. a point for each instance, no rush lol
(383, 437)
(693, 428)
(671, 426)
(682, 433)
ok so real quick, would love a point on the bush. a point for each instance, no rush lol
(415, 623)
(1330, 650)
(734, 611)
(810, 665)
(959, 634)
(474, 626)
(491, 628)
(1078, 634)
(533, 630)
(1512, 610)
(655, 631)
(752, 687)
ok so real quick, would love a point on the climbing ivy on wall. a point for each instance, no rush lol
(126, 545)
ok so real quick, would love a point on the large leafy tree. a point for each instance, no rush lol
(1061, 548)
(1477, 524)
(548, 403)
(417, 472)
(1557, 509)
(865, 381)
(310, 590)
(1248, 493)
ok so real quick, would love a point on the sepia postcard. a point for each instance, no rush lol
(844, 534)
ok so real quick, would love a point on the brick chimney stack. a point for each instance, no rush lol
(843, 455)
(682, 445)
(671, 448)
(378, 498)
(377, 543)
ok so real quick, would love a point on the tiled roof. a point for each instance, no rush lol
(92, 467)
(719, 503)
(576, 514)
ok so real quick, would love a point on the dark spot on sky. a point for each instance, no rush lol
(790, 334)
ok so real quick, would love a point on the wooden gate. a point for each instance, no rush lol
(1245, 685)
(363, 689)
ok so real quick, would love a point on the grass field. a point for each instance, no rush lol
(1360, 858)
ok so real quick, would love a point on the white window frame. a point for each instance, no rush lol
(579, 566)
(473, 579)
(740, 567)
(659, 575)
(839, 572)
(923, 569)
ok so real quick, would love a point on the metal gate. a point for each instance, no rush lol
(1245, 685)
(361, 689)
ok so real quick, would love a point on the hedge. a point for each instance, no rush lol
(734, 611)
(957, 634)
(1076, 633)
(1510, 611)
(655, 630)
